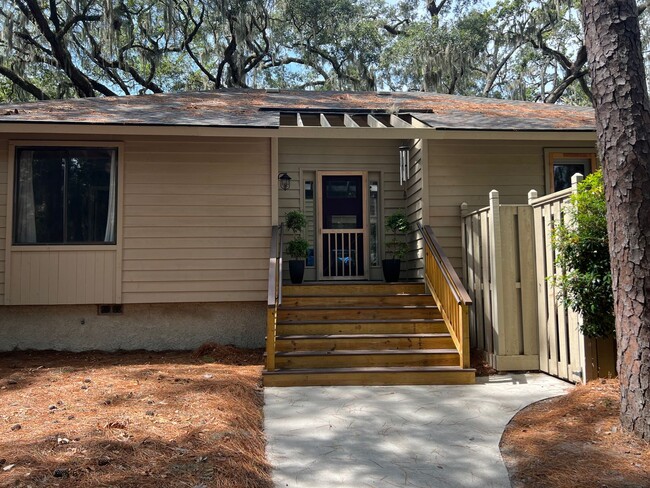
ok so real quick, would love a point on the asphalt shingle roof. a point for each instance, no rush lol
(259, 108)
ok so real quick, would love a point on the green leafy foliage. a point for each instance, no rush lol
(296, 221)
(582, 251)
(398, 225)
(530, 50)
(297, 248)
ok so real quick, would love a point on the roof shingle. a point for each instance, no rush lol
(259, 108)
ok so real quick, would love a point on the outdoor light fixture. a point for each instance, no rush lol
(404, 170)
(284, 181)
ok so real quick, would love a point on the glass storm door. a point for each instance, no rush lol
(342, 225)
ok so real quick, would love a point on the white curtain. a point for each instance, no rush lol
(109, 235)
(26, 212)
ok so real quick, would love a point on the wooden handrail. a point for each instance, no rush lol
(273, 256)
(447, 290)
(452, 278)
(552, 197)
(274, 295)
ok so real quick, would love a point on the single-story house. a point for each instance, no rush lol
(145, 221)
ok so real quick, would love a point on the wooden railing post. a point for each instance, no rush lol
(274, 296)
(464, 320)
(270, 338)
(575, 179)
(496, 274)
(463, 237)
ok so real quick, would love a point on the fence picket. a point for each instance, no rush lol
(517, 320)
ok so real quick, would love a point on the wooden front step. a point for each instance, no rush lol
(294, 314)
(433, 375)
(351, 289)
(337, 342)
(362, 334)
(366, 358)
(412, 326)
(358, 300)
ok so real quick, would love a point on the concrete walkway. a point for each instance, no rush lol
(405, 436)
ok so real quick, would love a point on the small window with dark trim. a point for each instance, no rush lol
(65, 195)
(564, 165)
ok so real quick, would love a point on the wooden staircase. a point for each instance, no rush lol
(362, 334)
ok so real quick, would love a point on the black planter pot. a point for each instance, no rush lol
(391, 269)
(296, 270)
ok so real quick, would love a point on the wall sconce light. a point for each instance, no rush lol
(404, 158)
(284, 181)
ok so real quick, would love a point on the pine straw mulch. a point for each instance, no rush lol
(575, 441)
(133, 419)
(481, 366)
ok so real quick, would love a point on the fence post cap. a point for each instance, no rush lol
(575, 179)
(494, 195)
(532, 195)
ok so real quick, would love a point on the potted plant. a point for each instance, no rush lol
(396, 248)
(297, 247)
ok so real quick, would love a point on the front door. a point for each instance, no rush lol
(342, 225)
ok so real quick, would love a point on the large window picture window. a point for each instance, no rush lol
(65, 195)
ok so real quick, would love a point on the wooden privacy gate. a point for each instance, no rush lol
(515, 317)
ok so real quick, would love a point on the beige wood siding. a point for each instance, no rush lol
(3, 214)
(379, 156)
(197, 217)
(194, 218)
(466, 170)
(414, 209)
(56, 277)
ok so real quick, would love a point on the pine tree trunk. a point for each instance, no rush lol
(623, 124)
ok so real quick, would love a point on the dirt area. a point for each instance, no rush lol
(481, 366)
(134, 419)
(575, 441)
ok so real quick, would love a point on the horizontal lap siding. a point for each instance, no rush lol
(414, 210)
(197, 217)
(465, 171)
(3, 214)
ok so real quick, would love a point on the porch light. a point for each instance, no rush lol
(284, 181)
(404, 158)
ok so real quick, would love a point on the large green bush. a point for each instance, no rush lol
(582, 251)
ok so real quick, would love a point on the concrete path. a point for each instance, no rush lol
(405, 436)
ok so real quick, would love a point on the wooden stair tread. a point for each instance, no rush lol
(363, 336)
(377, 295)
(363, 321)
(365, 352)
(372, 369)
(360, 333)
(357, 307)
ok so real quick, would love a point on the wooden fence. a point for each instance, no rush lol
(516, 319)
(498, 253)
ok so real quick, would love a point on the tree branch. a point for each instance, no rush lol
(59, 51)
(23, 84)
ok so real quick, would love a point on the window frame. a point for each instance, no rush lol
(13, 146)
(553, 154)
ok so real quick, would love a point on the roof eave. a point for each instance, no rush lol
(70, 128)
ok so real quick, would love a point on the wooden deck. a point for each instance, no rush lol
(362, 334)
